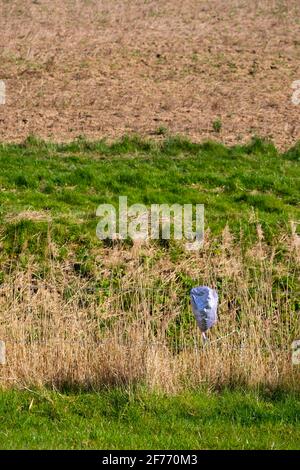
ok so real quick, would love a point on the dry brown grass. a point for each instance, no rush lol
(28, 215)
(63, 331)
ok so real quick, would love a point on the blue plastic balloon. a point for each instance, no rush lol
(204, 302)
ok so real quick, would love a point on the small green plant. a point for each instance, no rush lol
(161, 130)
(217, 125)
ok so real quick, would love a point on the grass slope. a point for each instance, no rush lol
(241, 186)
(51, 191)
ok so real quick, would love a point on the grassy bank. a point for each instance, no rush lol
(61, 186)
(139, 420)
(77, 311)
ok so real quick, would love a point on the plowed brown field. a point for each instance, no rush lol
(109, 67)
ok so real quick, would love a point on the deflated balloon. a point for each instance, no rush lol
(204, 302)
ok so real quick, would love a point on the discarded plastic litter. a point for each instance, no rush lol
(296, 352)
(204, 302)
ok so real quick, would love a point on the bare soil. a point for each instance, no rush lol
(109, 67)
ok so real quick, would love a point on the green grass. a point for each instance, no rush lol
(118, 419)
(239, 185)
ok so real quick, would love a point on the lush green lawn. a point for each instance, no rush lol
(241, 185)
(120, 420)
